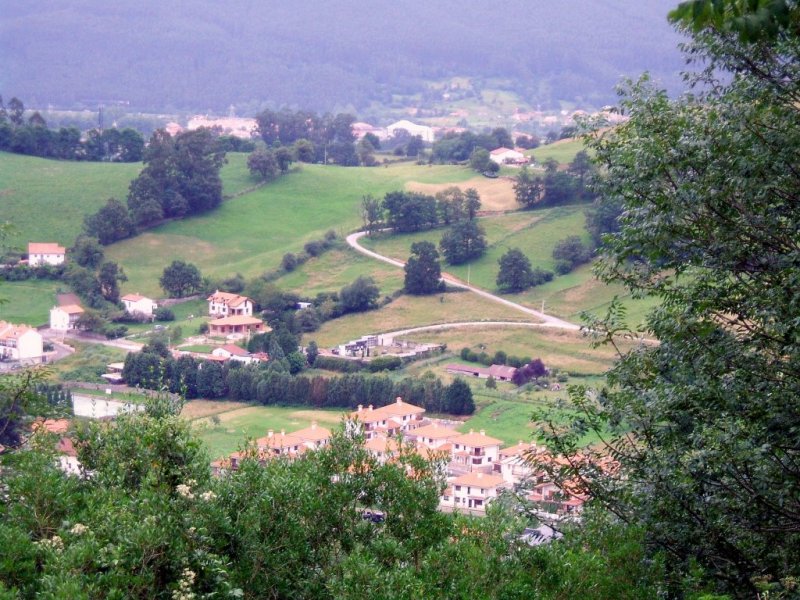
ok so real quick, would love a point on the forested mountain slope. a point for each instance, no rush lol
(200, 55)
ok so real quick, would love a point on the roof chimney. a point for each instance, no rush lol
(313, 424)
(283, 432)
(370, 407)
(360, 407)
(472, 431)
(399, 400)
(483, 432)
(270, 433)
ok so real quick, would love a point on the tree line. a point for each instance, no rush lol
(277, 382)
(33, 137)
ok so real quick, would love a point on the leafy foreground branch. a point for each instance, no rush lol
(707, 422)
(148, 521)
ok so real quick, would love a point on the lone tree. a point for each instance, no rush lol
(528, 188)
(263, 164)
(465, 240)
(181, 279)
(515, 272)
(360, 295)
(423, 273)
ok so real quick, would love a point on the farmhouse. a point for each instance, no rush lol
(225, 304)
(45, 253)
(425, 132)
(237, 325)
(139, 305)
(507, 156)
(498, 372)
(20, 342)
(237, 353)
(63, 318)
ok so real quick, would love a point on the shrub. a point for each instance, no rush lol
(335, 363)
(384, 363)
(314, 248)
(164, 314)
(465, 353)
(203, 327)
(289, 262)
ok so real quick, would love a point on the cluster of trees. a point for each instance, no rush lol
(570, 253)
(707, 419)
(310, 137)
(459, 147)
(32, 136)
(410, 211)
(180, 178)
(556, 187)
(278, 382)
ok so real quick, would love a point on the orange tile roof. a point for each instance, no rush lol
(236, 320)
(134, 297)
(10, 331)
(313, 433)
(45, 248)
(278, 441)
(227, 298)
(71, 309)
(519, 449)
(434, 432)
(476, 440)
(481, 480)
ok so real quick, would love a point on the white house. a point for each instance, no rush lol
(504, 156)
(63, 318)
(476, 450)
(390, 419)
(45, 253)
(472, 491)
(425, 132)
(234, 352)
(20, 342)
(433, 436)
(136, 304)
(225, 304)
(513, 464)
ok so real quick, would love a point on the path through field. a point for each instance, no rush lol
(546, 320)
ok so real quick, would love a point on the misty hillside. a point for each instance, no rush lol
(199, 55)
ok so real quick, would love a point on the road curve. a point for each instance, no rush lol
(546, 320)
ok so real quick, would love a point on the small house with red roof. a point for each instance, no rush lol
(46, 253)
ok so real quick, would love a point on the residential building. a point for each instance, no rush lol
(225, 304)
(20, 342)
(233, 352)
(513, 464)
(237, 325)
(390, 419)
(63, 318)
(45, 253)
(433, 436)
(472, 491)
(476, 450)
(141, 305)
(314, 436)
(281, 444)
(507, 156)
(425, 132)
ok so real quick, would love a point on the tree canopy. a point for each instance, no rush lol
(709, 189)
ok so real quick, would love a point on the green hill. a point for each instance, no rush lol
(251, 233)
(47, 200)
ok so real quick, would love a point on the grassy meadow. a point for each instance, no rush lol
(28, 301)
(250, 233)
(562, 151)
(239, 422)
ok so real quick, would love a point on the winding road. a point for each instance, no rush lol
(546, 320)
